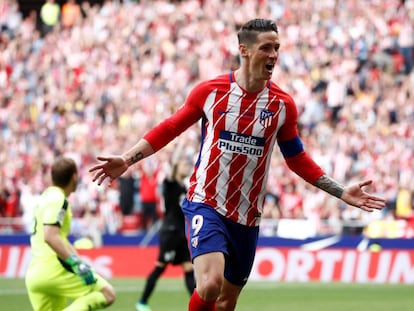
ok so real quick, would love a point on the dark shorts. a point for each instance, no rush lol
(173, 248)
(208, 232)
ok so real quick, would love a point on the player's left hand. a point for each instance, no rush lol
(85, 272)
(356, 196)
(82, 269)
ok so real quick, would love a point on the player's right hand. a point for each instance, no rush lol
(82, 269)
(112, 167)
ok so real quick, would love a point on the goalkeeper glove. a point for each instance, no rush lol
(81, 269)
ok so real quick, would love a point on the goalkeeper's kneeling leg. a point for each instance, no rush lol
(94, 300)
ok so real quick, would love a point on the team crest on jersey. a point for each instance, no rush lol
(266, 117)
(194, 242)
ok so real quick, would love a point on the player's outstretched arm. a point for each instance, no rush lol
(114, 166)
(353, 195)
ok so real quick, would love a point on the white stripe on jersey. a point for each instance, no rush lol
(231, 122)
(252, 165)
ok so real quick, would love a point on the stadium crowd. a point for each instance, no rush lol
(99, 82)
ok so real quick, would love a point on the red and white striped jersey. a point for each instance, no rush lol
(239, 131)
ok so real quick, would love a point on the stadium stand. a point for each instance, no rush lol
(125, 65)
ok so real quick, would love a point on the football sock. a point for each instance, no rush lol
(92, 301)
(198, 304)
(150, 284)
(190, 281)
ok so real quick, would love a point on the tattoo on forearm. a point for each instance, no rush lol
(135, 158)
(329, 185)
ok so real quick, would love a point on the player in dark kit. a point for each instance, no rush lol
(173, 242)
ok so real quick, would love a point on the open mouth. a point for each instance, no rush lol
(269, 67)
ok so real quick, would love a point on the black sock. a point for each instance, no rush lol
(190, 281)
(150, 284)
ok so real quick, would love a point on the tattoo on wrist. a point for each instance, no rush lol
(330, 185)
(135, 158)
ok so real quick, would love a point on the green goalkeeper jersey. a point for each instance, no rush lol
(52, 209)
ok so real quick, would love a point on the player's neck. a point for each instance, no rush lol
(244, 80)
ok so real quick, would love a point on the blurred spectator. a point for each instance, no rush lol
(405, 39)
(10, 17)
(149, 177)
(109, 210)
(70, 13)
(271, 208)
(335, 95)
(49, 16)
(4, 194)
(127, 184)
(404, 203)
(291, 202)
(88, 228)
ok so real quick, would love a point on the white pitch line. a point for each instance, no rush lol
(120, 289)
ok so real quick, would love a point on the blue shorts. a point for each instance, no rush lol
(208, 231)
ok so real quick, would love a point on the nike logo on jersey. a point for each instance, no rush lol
(221, 112)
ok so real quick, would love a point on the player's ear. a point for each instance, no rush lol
(243, 50)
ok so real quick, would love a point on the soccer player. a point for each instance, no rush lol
(56, 274)
(244, 113)
(173, 242)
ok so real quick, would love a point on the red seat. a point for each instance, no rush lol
(131, 224)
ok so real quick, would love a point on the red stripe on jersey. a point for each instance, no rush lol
(213, 172)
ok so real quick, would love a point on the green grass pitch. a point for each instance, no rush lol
(170, 295)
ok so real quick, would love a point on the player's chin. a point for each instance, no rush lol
(267, 75)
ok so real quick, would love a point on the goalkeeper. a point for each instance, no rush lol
(56, 275)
